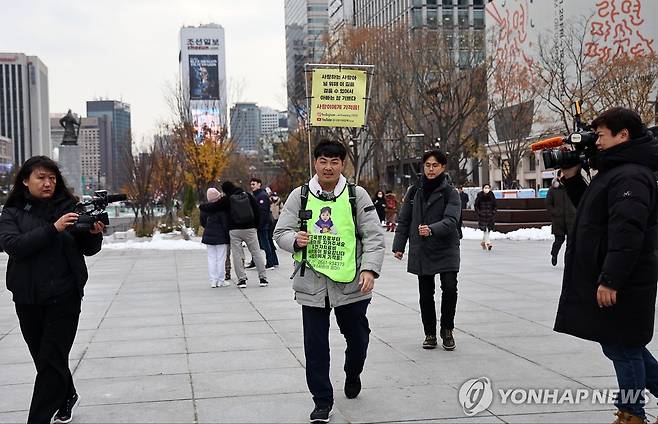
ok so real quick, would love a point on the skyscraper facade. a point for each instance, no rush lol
(202, 60)
(24, 105)
(460, 22)
(306, 22)
(246, 126)
(115, 140)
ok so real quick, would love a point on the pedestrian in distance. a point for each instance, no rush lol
(243, 219)
(485, 209)
(562, 213)
(429, 220)
(46, 274)
(216, 238)
(380, 205)
(391, 210)
(344, 257)
(264, 224)
(611, 267)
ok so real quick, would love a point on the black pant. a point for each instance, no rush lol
(426, 287)
(353, 326)
(49, 331)
(557, 244)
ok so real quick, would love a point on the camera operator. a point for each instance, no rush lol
(46, 274)
(609, 287)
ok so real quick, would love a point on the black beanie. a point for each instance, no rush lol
(228, 187)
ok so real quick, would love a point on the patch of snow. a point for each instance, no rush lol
(169, 241)
(536, 234)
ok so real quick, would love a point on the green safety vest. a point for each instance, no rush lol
(332, 237)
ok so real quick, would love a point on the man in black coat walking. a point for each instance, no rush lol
(609, 286)
(428, 220)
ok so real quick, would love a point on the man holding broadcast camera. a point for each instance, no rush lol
(609, 286)
(337, 241)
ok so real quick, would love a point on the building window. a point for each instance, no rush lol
(478, 19)
(532, 162)
(416, 18)
(447, 3)
(432, 18)
(531, 183)
(462, 18)
(448, 20)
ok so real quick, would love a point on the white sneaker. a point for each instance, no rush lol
(224, 284)
(213, 284)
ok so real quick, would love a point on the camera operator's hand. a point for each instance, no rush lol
(398, 255)
(606, 296)
(424, 231)
(66, 221)
(570, 172)
(302, 238)
(99, 227)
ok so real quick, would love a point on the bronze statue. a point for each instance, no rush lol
(69, 123)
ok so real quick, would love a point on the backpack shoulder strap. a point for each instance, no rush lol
(351, 189)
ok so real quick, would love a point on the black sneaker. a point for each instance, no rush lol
(430, 342)
(251, 265)
(352, 387)
(263, 282)
(321, 414)
(242, 284)
(65, 413)
(448, 339)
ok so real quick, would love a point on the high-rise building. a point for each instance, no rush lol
(306, 21)
(341, 15)
(461, 22)
(115, 140)
(270, 120)
(202, 61)
(246, 126)
(24, 105)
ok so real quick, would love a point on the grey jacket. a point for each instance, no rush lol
(312, 289)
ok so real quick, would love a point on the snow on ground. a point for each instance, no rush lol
(174, 240)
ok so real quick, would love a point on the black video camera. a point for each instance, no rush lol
(584, 143)
(92, 211)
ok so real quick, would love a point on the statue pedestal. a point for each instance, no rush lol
(71, 167)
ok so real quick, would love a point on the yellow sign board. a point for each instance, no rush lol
(338, 97)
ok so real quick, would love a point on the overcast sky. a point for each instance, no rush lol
(128, 49)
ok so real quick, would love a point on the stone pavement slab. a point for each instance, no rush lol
(157, 344)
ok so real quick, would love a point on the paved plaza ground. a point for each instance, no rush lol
(157, 344)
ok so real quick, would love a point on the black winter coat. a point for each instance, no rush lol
(441, 211)
(485, 208)
(264, 211)
(215, 227)
(380, 207)
(43, 263)
(614, 243)
(224, 204)
(562, 211)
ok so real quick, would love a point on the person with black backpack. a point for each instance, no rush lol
(243, 220)
(429, 219)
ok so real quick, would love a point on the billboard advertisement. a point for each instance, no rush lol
(206, 122)
(204, 77)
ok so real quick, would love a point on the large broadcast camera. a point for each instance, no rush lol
(92, 211)
(583, 140)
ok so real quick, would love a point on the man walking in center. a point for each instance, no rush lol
(344, 246)
(265, 221)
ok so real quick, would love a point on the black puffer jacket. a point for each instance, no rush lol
(43, 263)
(215, 227)
(441, 210)
(485, 208)
(614, 243)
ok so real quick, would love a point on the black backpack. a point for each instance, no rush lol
(241, 211)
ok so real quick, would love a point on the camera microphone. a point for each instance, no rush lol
(547, 144)
(111, 198)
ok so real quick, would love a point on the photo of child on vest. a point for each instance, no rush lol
(324, 224)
